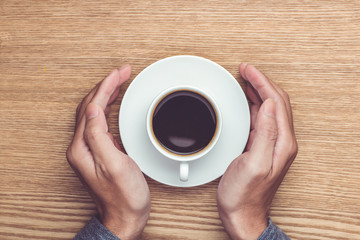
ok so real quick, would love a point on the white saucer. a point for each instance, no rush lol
(184, 70)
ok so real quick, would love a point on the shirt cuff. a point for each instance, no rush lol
(94, 230)
(273, 232)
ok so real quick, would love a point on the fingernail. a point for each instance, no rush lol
(269, 107)
(91, 112)
(124, 67)
(242, 69)
(246, 71)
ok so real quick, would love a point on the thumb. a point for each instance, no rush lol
(263, 145)
(96, 134)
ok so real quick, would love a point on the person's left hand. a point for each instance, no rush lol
(111, 177)
(250, 182)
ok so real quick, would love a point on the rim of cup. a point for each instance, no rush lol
(157, 144)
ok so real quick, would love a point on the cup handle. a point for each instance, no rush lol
(184, 171)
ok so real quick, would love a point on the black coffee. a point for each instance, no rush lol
(184, 122)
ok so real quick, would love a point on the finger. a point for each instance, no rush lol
(265, 136)
(107, 111)
(252, 95)
(286, 100)
(290, 113)
(124, 73)
(254, 105)
(286, 143)
(114, 95)
(260, 83)
(82, 106)
(242, 67)
(254, 109)
(266, 90)
(79, 130)
(109, 87)
(97, 137)
(90, 95)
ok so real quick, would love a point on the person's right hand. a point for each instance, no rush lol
(111, 177)
(249, 184)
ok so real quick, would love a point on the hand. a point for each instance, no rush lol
(112, 178)
(249, 184)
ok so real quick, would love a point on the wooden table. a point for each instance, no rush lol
(53, 52)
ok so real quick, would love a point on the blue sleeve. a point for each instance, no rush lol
(273, 232)
(94, 230)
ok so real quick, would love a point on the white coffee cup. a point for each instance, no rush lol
(183, 159)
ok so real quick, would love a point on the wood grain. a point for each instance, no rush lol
(53, 52)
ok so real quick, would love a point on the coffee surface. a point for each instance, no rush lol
(184, 122)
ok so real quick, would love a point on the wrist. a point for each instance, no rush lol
(125, 229)
(241, 226)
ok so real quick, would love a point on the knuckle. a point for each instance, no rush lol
(115, 169)
(258, 172)
(91, 133)
(239, 163)
(69, 154)
(111, 171)
(295, 148)
(292, 147)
